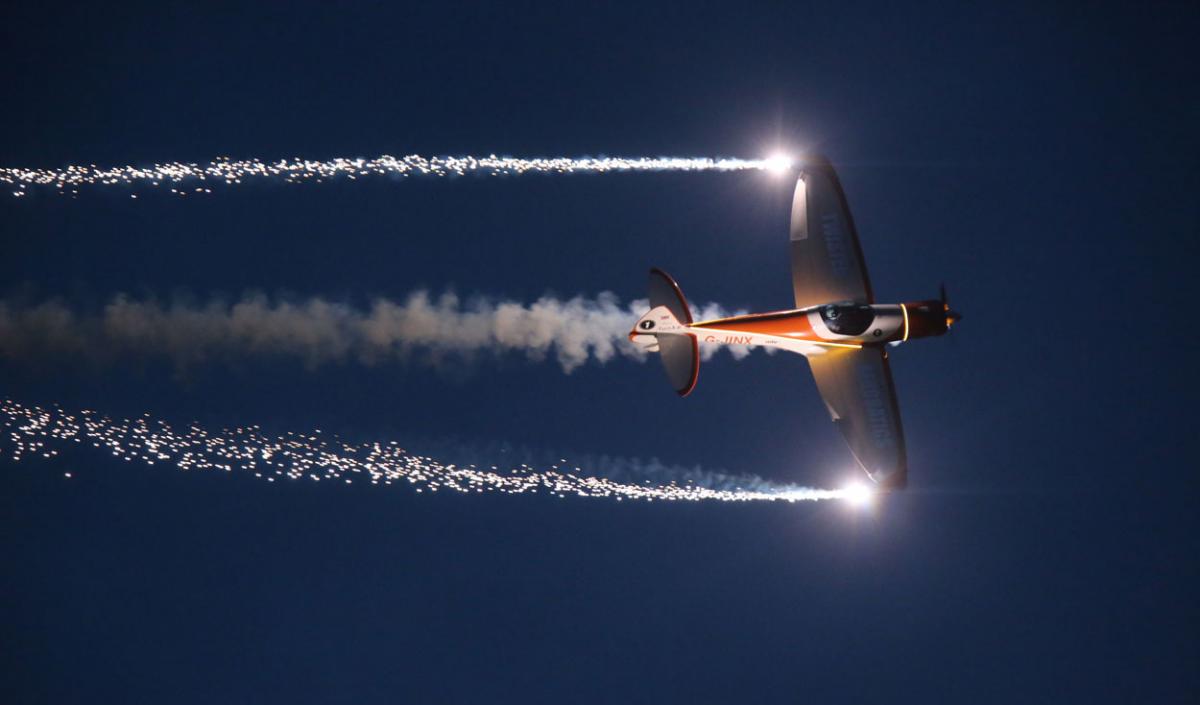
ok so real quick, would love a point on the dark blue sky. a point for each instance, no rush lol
(1040, 158)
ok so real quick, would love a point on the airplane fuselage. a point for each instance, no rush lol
(806, 331)
(817, 329)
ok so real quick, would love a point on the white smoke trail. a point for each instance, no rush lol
(227, 171)
(33, 431)
(317, 331)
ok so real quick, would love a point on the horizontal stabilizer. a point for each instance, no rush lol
(680, 353)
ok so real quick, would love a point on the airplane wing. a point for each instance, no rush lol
(858, 391)
(827, 261)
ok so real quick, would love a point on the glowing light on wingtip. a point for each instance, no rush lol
(858, 494)
(778, 163)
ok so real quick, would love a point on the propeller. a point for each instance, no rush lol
(952, 317)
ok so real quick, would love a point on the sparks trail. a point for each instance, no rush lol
(34, 431)
(227, 171)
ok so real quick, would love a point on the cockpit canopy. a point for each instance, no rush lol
(847, 318)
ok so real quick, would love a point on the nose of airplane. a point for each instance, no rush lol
(927, 318)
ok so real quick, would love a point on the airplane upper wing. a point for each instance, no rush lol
(827, 261)
(858, 391)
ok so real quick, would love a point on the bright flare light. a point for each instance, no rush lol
(858, 494)
(778, 163)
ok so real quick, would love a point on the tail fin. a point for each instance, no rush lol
(679, 351)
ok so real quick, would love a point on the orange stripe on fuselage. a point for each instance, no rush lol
(785, 324)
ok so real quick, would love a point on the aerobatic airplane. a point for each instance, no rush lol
(836, 324)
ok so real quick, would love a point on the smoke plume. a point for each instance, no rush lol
(318, 331)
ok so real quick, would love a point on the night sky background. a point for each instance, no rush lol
(1040, 158)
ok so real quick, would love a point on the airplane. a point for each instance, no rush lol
(836, 325)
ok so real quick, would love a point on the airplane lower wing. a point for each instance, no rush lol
(857, 388)
(827, 261)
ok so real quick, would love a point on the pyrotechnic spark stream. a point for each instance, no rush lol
(316, 330)
(227, 171)
(34, 431)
